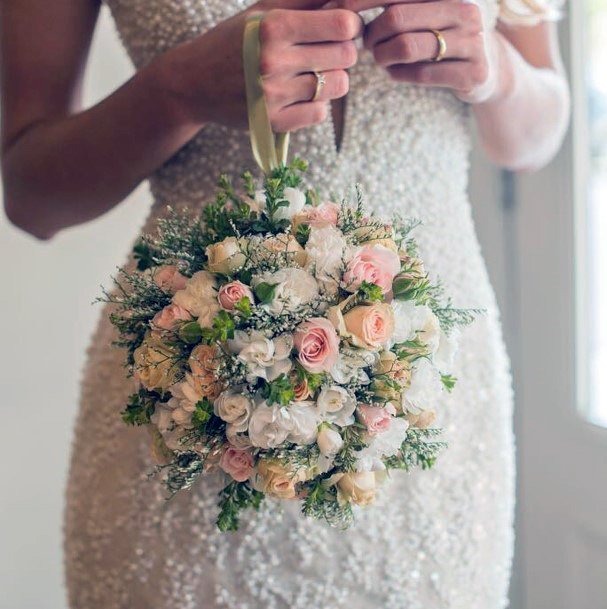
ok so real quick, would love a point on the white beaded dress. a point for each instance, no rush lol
(435, 540)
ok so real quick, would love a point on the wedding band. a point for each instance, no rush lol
(321, 81)
(442, 46)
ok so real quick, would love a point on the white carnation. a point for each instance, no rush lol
(425, 388)
(294, 288)
(326, 251)
(336, 405)
(304, 422)
(412, 321)
(269, 426)
(383, 445)
(444, 357)
(350, 366)
(296, 199)
(199, 298)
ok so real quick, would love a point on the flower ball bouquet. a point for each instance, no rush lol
(292, 344)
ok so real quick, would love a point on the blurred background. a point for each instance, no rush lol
(545, 240)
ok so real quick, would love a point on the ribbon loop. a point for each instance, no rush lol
(269, 149)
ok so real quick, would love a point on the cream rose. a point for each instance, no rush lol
(370, 326)
(358, 487)
(276, 480)
(225, 257)
(155, 364)
(204, 363)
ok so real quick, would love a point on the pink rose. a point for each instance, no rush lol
(373, 264)
(376, 419)
(323, 215)
(169, 279)
(232, 292)
(317, 344)
(237, 463)
(170, 316)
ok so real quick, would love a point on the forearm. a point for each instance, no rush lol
(522, 125)
(66, 171)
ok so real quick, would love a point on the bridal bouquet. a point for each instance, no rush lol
(295, 345)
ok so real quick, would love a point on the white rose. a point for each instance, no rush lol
(304, 422)
(263, 357)
(326, 253)
(329, 441)
(233, 408)
(296, 199)
(294, 288)
(336, 405)
(269, 426)
(383, 445)
(425, 388)
(199, 297)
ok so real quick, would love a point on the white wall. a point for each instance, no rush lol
(46, 291)
(45, 323)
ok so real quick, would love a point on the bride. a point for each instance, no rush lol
(379, 92)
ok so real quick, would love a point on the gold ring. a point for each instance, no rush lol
(321, 81)
(442, 46)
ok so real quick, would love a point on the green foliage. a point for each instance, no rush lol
(144, 256)
(370, 292)
(265, 292)
(321, 503)
(449, 381)
(222, 329)
(279, 391)
(140, 407)
(353, 443)
(234, 498)
(243, 306)
(190, 332)
(418, 450)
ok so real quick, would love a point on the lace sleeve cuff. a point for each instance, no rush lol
(529, 12)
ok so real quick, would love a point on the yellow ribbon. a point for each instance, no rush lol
(270, 150)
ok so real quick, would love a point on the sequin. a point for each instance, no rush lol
(435, 540)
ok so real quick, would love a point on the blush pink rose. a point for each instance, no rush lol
(237, 463)
(169, 279)
(230, 293)
(373, 264)
(324, 215)
(170, 316)
(376, 419)
(317, 344)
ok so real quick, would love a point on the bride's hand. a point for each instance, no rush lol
(402, 41)
(296, 39)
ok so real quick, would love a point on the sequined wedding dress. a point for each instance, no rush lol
(435, 540)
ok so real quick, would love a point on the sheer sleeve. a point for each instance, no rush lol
(529, 12)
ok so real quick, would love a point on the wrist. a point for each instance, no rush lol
(504, 82)
(168, 78)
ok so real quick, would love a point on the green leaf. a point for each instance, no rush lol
(280, 391)
(190, 333)
(140, 408)
(243, 306)
(143, 253)
(371, 292)
(234, 498)
(448, 381)
(265, 292)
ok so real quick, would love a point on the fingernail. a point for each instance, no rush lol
(331, 5)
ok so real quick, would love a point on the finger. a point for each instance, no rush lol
(403, 18)
(363, 5)
(321, 57)
(414, 47)
(299, 116)
(303, 88)
(310, 26)
(459, 75)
